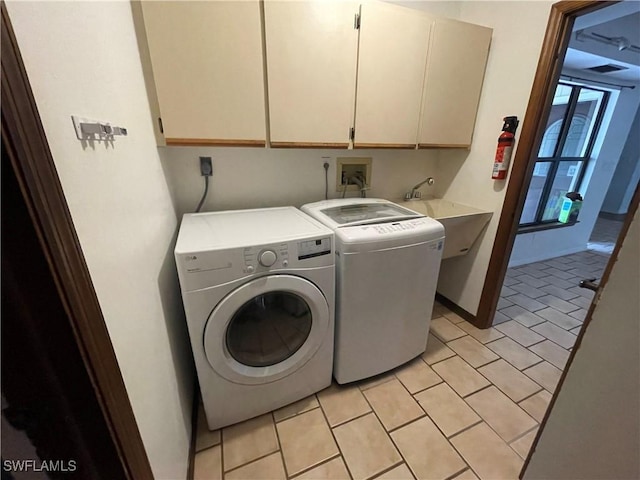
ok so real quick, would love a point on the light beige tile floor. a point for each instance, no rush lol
(468, 408)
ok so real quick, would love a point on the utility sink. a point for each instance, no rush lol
(462, 223)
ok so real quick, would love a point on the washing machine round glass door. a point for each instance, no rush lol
(266, 329)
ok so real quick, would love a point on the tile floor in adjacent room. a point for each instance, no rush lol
(469, 407)
(605, 234)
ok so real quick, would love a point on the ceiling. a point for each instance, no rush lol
(587, 50)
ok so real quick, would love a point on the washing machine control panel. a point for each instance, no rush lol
(286, 255)
(265, 256)
(314, 248)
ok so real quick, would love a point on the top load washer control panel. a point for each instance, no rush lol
(388, 235)
(386, 228)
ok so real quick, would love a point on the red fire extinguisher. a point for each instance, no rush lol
(505, 148)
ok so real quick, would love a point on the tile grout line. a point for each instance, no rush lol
(440, 361)
(388, 469)
(524, 434)
(275, 427)
(323, 462)
(261, 457)
(536, 343)
(441, 433)
(382, 424)
(393, 376)
(479, 390)
(500, 389)
(297, 414)
(460, 453)
(324, 414)
(384, 429)
(427, 388)
(222, 449)
(395, 429)
(533, 394)
(451, 477)
(533, 365)
(489, 363)
(468, 427)
(395, 446)
(360, 415)
(555, 343)
(454, 476)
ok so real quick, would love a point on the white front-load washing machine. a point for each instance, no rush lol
(258, 292)
(387, 265)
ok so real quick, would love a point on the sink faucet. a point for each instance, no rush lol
(414, 193)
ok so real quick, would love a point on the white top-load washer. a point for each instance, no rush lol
(387, 265)
(258, 292)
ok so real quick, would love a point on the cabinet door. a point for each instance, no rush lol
(311, 69)
(208, 70)
(455, 70)
(391, 63)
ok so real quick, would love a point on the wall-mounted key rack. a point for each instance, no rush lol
(87, 129)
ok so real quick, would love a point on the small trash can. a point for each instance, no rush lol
(571, 205)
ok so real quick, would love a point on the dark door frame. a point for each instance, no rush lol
(35, 170)
(554, 47)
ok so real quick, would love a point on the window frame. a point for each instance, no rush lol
(557, 157)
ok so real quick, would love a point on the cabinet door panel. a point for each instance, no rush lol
(208, 70)
(455, 71)
(391, 64)
(311, 70)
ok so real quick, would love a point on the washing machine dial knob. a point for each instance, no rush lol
(267, 258)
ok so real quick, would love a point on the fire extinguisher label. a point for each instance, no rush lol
(505, 155)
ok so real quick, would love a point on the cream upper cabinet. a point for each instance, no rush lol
(207, 66)
(311, 49)
(455, 70)
(392, 56)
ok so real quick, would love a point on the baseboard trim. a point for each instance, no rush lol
(455, 308)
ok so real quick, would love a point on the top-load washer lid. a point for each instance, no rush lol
(357, 211)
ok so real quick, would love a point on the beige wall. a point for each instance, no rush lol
(593, 430)
(518, 31)
(259, 177)
(82, 59)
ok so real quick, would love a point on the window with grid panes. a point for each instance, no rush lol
(564, 152)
